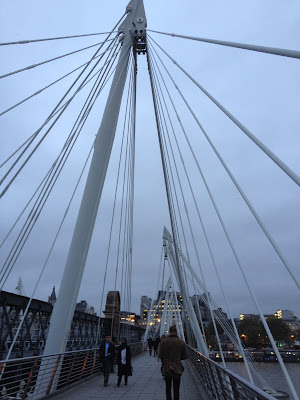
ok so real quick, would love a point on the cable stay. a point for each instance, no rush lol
(52, 178)
(264, 148)
(240, 190)
(63, 107)
(203, 228)
(185, 207)
(230, 330)
(55, 111)
(123, 223)
(198, 212)
(52, 59)
(46, 261)
(46, 87)
(188, 219)
(43, 196)
(114, 209)
(198, 259)
(269, 334)
(55, 38)
(68, 91)
(244, 46)
(234, 252)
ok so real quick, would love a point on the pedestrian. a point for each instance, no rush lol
(171, 351)
(107, 352)
(155, 346)
(124, 361)
(150, 345)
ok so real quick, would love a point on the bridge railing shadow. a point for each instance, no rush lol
(39, 376)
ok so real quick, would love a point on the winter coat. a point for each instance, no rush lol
(171, 351)
(111, 351)
(124, 369)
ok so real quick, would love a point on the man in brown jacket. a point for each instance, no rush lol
(171, 351)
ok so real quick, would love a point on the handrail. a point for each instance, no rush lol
(223, 383)
(38, 376)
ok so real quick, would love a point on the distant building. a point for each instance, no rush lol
(20, 288)
(157, 307)
(221, 314)
(248, 316)
(289, 318)
(159, 304)
(144, 309)
(204, 310)
(129, 318)
(91, 310)
(83, 306)
(52, 297)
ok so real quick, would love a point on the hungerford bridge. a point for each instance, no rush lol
(64, 374)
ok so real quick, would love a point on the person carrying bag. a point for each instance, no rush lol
(171, 351)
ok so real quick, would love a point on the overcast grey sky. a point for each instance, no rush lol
(261, 90)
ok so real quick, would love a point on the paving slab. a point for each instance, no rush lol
(145, 384)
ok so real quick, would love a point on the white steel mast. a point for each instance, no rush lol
(131, 29)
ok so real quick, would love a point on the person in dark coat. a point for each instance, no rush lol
(155, 345)
(150, 345)
(124, 361)
(107, 352)
(171, 351)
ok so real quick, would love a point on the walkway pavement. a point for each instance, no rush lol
(145, 384)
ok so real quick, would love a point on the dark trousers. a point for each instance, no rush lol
(107, 364)
(150, 350)
(176, 386)
(120, 378)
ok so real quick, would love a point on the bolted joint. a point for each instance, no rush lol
(136, 23)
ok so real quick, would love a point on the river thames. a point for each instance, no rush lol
(272, 374)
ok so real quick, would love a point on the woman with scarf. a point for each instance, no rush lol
(124, 361)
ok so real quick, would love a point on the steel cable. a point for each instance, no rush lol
(53, 113)
(52, 59)
(49, 184)
(27, 41)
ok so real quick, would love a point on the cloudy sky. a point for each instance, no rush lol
(262, 91)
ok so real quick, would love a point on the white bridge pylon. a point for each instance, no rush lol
(71, 280)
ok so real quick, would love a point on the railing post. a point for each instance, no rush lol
(71, 370)
(84, 364)
(223, 387)
(234, 389)
(24, 395)
(94, 362)
(212, 375)
(53, 374)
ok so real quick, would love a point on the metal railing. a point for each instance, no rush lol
(37, 377)
(221, 383)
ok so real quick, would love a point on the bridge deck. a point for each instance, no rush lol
(146, 383)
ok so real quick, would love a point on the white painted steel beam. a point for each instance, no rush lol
(70, 285)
